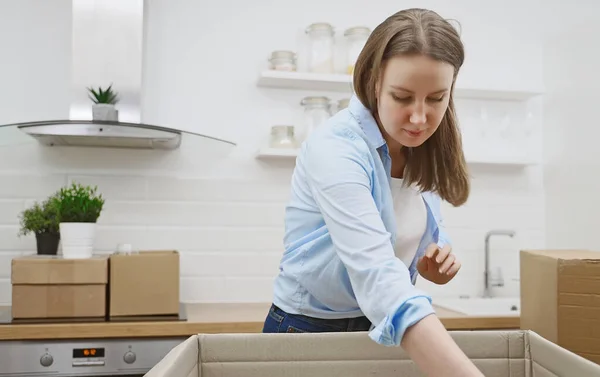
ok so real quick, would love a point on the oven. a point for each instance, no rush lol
(83, 357)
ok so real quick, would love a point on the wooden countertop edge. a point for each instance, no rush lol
(482, 323)
(186, 329)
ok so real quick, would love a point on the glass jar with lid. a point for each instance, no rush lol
(320, 48)
(316, 111)
(356, 37)
(282, 137)
(343, 103)
(283, 60)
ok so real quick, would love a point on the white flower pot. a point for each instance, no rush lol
(77, 240)
(105, 112)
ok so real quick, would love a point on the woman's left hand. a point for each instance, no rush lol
(438, 265)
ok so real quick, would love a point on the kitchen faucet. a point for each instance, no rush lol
(488, 235)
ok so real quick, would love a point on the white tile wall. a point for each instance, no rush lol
(230, 249)
(571, 132)
(221, 208)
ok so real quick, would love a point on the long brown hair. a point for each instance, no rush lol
(438, 165)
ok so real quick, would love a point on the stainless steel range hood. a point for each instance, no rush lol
(105, 134)
(89, 20)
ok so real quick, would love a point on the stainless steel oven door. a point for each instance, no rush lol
(83, 357)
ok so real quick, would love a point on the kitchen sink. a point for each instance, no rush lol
(476, 306)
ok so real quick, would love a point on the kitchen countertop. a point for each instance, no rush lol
(208, 318)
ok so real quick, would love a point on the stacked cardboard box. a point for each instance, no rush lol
(144, 284)
(115, 286)
(560, 298)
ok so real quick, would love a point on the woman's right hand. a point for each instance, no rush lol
(439, 266)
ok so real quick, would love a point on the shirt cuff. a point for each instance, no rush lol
(390, 331)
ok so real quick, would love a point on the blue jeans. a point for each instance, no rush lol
(278, 321)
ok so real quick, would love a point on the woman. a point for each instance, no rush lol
(363, 217)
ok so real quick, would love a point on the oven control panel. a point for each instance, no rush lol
(83, 357)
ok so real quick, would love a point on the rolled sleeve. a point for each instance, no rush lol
(391, 329)
(340, 173)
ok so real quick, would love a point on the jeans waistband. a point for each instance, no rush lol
(339, 322)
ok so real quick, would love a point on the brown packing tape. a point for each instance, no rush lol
(578, 284)
(579, 267)
(579, 299)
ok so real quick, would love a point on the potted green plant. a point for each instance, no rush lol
(79, 208)
(42, 219)
(104, 103)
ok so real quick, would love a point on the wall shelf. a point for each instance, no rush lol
(514, 162)
(291, 154)
(305, 81)
(343, 83)
(277, 154)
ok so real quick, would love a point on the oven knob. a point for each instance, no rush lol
(129, 357)
(46, 360)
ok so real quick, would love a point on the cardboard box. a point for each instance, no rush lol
(560, 298)
(49, 286)
(495, 353)
(144, 283)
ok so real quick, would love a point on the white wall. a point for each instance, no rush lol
(107, 55)
(35, 39)
(221, 208)
(572, 130)
(36, 59)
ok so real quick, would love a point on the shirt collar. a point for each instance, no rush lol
(366, 121)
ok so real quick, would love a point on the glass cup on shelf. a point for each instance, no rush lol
(342, 103)
(283, 60)
(320, 47)
(316, 111)
(356, 37)
(282, 137)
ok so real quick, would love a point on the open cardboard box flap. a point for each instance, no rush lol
(496, 353)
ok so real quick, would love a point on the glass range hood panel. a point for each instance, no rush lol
(90, 133)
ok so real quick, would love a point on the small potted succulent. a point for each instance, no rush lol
(42, 219)
(79, 208)
(104, 101)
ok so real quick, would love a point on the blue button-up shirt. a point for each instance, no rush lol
(340, 231)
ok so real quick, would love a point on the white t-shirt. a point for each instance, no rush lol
(411, 220)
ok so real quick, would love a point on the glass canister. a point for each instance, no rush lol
(356, 37)
(282, 137)
(316, 111)
(343, 103)
(283, 60)
(320, 48)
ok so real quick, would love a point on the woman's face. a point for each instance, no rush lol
(412, 98)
